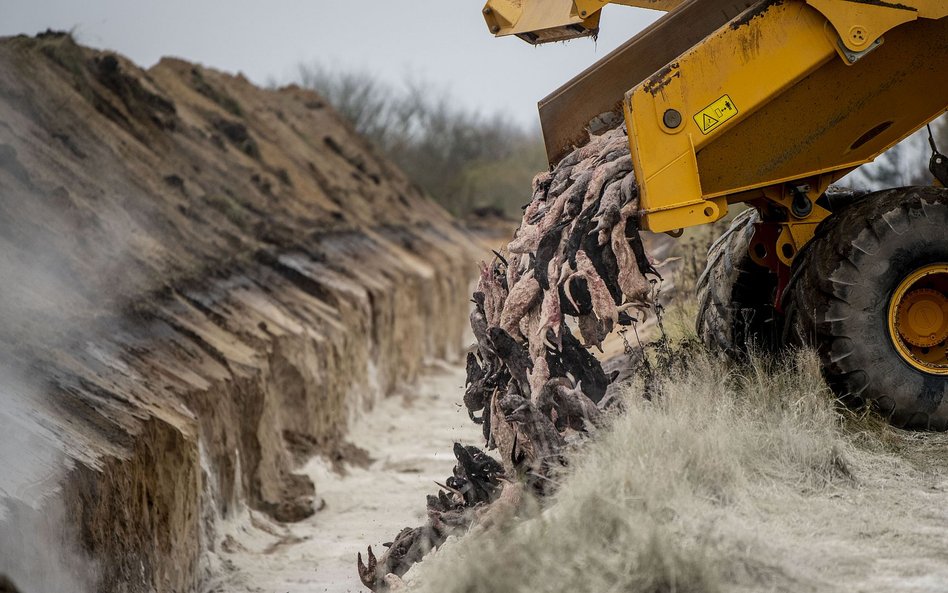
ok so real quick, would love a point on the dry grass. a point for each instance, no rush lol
(654, 504)
(747, 479)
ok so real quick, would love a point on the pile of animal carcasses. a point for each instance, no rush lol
(531, 382)
(577, 255)
(474, 485)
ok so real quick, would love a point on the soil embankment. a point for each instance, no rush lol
(408, 439)
(204, 283)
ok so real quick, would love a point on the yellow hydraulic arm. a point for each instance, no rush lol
(543, 21)
(764, 101)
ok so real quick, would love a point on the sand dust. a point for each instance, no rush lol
(409, 437)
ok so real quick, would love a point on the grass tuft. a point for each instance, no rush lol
(662, 499)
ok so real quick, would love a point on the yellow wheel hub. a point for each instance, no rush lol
(918, 319)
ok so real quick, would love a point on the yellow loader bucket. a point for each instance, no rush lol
(598, 91)
(540, 21)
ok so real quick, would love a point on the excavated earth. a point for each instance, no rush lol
(204, 283)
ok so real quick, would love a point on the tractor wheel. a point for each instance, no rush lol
(735, 295)
(870, 291)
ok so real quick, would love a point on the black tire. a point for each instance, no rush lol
(736, 296)
(839, 293)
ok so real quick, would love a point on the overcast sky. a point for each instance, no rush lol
(442, 41)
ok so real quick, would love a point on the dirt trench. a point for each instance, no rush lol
(362, 500)
(207, 283)
(258, 409)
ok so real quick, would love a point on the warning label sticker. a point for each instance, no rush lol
(715, 114)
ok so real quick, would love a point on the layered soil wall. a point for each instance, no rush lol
(208, 281)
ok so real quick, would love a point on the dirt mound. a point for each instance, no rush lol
(203, 282)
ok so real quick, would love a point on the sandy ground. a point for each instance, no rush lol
(366, 505)
(883, 532)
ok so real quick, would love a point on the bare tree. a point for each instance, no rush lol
(462, 158)
(363, 100)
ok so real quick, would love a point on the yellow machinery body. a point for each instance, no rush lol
(766, 101)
